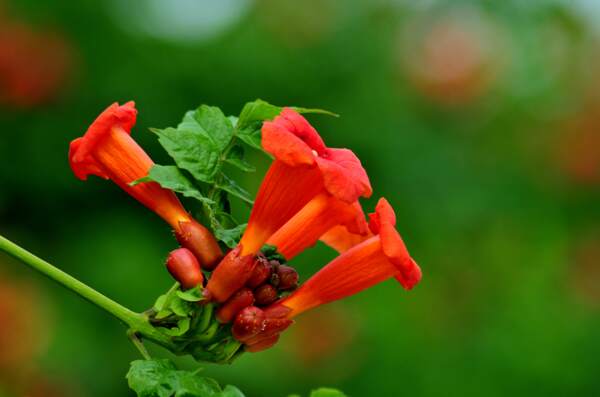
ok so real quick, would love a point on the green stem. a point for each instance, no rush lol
(139, 344)
(136, 321)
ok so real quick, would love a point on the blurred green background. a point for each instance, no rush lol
(478, 120)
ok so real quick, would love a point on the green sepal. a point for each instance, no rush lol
(271, 253)
(190, 295)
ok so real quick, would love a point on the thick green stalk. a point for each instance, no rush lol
(137, 322)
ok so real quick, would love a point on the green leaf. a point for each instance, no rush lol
(170, 177)
(233, 120)
(327, 392)
(232, 236)
(253, 115)
(314, 111)
(235, 157)
(231, 391)
(231, 187)
(211, 120)
(251, 136)
(260, 110)
(257, 110)
(160, 378)
(191, 151)
(198, 142)
(150, 378)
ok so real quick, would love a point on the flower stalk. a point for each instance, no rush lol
(137, 322)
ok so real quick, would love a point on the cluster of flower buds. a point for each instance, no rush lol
(310, 192)
(268, 281)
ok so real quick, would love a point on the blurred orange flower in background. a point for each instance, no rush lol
(578, 146)
(584, 269)
(34, 65)
(453, 58)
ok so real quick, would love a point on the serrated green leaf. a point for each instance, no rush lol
(191, 150)
(253, 115)
(233, 120)
(257, 110)
(235, 157)
(170, 177)
(160, 378)
(231, 237)
(260, 110)
(327, 392)
(231, 187)
(190, 295)
(197, 143)
(148, 378)
(213, 122)
(251, 136)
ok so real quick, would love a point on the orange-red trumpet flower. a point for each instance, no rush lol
(304, 170)
(376, 259)
(320, 182)
(108, 151)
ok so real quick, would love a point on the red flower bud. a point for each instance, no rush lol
(274, 264)
(276, 325)
(232, 274)
(241, 299)
(263, 344)
(248, 323)
(262, 272)
(201, 242)
(277, 311)
(184, 268)
(265, 294)
(288, 277)
(271, 327)
(274, 279)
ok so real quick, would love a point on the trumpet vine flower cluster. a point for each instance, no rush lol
(237, 289)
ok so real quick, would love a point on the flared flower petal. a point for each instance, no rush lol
(376, 259)
(291, 139)
(343, 175)
(303, 168)
(108, 151)
(383, 223)
(82, 150)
